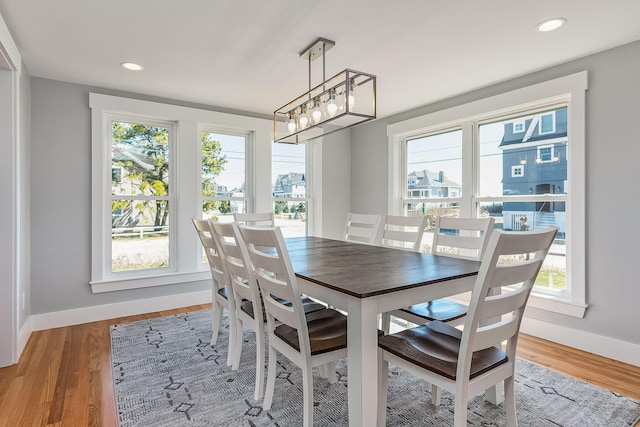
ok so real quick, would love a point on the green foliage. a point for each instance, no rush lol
(147, 164)
(212, 165)
(279, 207)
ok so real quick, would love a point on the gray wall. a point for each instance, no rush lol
(612, 153)
(61, 202)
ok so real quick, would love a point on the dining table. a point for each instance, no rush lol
(364, 281)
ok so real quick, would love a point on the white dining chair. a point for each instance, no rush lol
(467, 362)
(306, 339)
(222, 295)
(403, 232)
(464, 238)
(363, 228)
(258, 219)
(245, 288)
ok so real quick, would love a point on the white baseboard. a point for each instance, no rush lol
(601, 345)
(24, 334)
(111, 311)
(598, 344)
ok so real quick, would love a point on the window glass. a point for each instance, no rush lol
(547, 123)
(434, 165)
(223, 182)
(140, 176)
(289, 188)
(502, 152)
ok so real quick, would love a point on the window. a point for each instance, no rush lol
(141, 195)
(547, 123)
(545, 154)
(290, 180)
(518, 126)
(492, 179)
(224, 175)
(142, 207)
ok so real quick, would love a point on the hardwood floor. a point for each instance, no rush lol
(64, 374)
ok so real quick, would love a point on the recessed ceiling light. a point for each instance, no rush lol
(550, 24)
(132, 66)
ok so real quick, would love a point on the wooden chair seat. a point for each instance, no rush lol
(442, 309)
(327, 332)
(435, 346)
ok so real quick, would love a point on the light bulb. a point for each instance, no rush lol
(316, 113)
(292, 123)
(332, 107)
(352, 95)
(303, 119)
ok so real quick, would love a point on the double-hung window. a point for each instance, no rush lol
(156, 166)
(517, 157)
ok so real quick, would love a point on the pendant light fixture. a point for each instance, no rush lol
(342, 101)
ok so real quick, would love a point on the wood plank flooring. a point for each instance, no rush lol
(64, 375)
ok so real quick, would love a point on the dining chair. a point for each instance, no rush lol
(363, 228)
(245, 289)
(403, 232)
(469, 361)
(259, 219)
(464, 238)
(247, 292)
(307, 340)
(222, 295)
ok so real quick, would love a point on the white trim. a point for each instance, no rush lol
(24, 334)
(148, 281)
(78, 316)
(184, 256)
(601, 345)
(9, 52)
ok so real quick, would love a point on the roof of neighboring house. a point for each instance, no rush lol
(123, 153)
(291, 178)
(428, 179)
(531, 129)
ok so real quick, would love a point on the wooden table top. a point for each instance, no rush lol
(365, 271)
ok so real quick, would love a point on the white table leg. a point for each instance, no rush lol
(362, 341)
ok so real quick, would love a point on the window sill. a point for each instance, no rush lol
(543, 302)
(555, 305)
(148, 281)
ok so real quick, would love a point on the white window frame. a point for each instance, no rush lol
(569, 90)
(517, 171)
(539, 153)
(521, 123)
(186, 264)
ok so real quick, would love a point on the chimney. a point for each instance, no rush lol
(441, 176)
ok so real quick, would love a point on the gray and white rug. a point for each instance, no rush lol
(166, 373)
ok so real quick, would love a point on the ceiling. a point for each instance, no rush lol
(243, 54)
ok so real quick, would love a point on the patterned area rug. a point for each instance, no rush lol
(167, 374)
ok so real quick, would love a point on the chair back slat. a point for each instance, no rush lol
(363, 228)
(504, 303)
(496, 334)
(403, 232)
(257, 219)
(464, 238)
